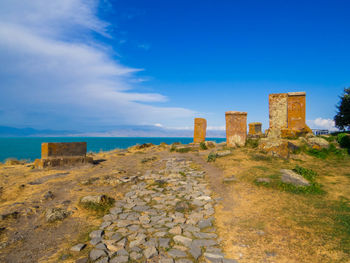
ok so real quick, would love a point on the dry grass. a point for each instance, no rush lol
(19, 194)
(265, 224)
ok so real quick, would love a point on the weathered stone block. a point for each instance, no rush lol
(278, 113)
(287, 115)
(255, 129)
(59, 149)
(236, 128)
(62, 161)
(296, 110)
(200, 129)
(62, 154)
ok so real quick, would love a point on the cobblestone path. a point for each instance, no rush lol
(166, 217)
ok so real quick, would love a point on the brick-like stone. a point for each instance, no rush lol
(200, 129)
(236, 128)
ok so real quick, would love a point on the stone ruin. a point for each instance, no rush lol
(236, 128)
(287, 115)
(255, 130)
(55, 154)
(200, 129)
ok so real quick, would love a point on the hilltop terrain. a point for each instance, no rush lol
(235, 197)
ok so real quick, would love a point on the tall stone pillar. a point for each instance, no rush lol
(296, 110)
(200, 129)
(236, 128)
(278, 113)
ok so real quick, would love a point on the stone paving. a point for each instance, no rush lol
(166, 217)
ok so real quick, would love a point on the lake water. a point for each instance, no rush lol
(30, 148)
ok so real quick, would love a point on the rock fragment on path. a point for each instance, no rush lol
(56, 214)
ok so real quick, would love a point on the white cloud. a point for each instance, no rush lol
(320, 123)
(53, 74)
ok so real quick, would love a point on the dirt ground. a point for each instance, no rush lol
(255, 223)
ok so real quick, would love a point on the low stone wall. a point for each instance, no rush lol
(59, 149)
(55, 154)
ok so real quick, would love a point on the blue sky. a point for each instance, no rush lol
(97, 65)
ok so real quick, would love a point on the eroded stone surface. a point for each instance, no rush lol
(165, 217)
(236, 128)
(255, 129)
(200, 129)
(291, 177)
(287, 115)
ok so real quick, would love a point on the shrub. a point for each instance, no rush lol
(212, 157)
(203, 146)
(99, 209)
(253, 143)
(344, 140)
(183, 150)
(308, 174)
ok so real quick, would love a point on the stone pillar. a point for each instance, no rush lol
(200, 129)
(296, 110)
(255, 129)
(236, 128)
(278, 113)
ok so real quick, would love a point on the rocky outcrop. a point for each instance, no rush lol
(291, 177)
(317, 142)
(275, 147)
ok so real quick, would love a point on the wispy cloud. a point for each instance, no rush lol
(54, 74)
(144, 46)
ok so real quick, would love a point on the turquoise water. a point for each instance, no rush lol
(30, 148)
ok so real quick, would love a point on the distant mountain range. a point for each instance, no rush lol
(6, 131)
(120, 131)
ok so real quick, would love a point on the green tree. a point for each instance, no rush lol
(342, 119)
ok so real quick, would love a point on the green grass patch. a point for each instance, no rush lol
(100, 209)
(329, 138)
(324, 153)
(314, 188)
(341, 217)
